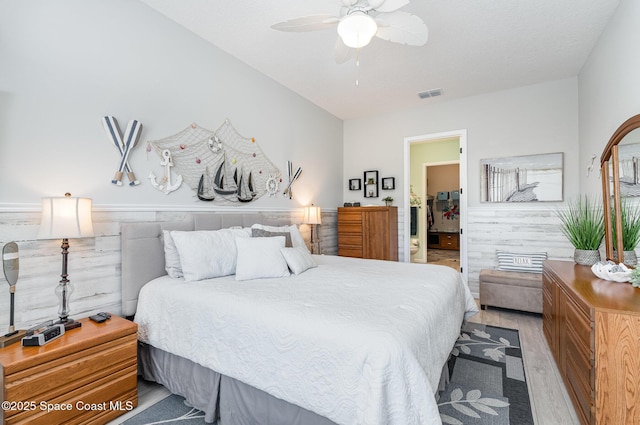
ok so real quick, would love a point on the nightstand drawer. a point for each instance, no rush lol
(75, 370)
(87, 376)
(105, 399)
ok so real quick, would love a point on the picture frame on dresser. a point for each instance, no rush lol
(371, 184)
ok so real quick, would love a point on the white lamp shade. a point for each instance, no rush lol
(312, 215)
(357, 29)
(65, 217)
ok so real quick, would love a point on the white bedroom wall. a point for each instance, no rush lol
(541, 118)
(67, 63)
(609, 85)
(64, 65)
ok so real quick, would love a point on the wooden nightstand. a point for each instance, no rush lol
(87, 376)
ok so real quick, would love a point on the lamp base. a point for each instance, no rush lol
(69, 324)
(13, 337)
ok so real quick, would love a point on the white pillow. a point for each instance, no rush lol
(207, 253)
(260, 258)
(171, 256)
(298, 259)
(296, 237)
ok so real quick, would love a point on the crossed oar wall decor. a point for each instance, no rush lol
(124, 146)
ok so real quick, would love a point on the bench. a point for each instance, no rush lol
(514, 290)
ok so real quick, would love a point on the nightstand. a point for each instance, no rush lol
(87, 376)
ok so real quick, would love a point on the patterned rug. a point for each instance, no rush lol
(487, 385)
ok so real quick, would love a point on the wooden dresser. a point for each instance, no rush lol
(368, 232)
(87, 376)
(593, 329)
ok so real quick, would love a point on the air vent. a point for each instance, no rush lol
(430, 93)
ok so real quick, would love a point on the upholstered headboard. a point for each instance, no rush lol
(142, 247)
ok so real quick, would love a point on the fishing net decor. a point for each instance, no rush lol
(221, 166)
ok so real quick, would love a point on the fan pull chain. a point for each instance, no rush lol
(357, 67)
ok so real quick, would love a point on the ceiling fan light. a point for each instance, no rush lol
(357, 29)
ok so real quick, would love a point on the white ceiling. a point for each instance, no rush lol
(474, 47)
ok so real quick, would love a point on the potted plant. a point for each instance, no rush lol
(388, 200)
(630, 214)
(582, 222)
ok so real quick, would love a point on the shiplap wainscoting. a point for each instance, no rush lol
(516, 229)
(94, 263)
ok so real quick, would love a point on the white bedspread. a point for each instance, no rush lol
(356, 341)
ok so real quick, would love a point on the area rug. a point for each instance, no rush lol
(487, 385)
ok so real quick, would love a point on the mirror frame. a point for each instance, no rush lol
(610, 153)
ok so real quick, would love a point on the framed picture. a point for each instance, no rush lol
(371, 184)
(531, 178)
(355, 184)
(388, 183)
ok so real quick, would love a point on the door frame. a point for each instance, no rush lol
(433, 137)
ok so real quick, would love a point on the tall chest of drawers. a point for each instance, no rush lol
(368, 232)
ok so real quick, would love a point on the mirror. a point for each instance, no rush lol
(614, 166)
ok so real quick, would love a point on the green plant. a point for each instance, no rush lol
(630, 214)
(583, 223)
(635, 278)
(388, 199)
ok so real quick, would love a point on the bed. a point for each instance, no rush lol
(346, 341)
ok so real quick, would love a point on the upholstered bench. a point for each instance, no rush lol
(514, 290)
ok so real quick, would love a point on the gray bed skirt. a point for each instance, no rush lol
(222, 398)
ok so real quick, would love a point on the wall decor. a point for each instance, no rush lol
(165, 185)
(371, 184)
(527, 178)
(221, 166)
(123, 145)
(292, 178)
(388, 183)
(355, 184)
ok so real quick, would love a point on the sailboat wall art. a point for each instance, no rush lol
(221, 166)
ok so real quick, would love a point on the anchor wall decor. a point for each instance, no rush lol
(123, 145)
(166, 186)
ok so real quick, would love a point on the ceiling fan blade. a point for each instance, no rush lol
(387, 5)
(402, 27)
(349, 3)
(307, 23)
(342, 52)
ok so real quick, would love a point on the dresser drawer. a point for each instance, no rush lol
(347, 215)
(580, 324)
(349, 227)
(350, 251)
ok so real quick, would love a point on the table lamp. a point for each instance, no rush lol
(312, 216)
(65, 218)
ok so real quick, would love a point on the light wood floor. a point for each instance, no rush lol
(550, 402)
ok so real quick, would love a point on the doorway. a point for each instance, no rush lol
(447, 201)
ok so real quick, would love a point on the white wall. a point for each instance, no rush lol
(528, 120)
(64, 65)
(67, 63)
(609, 88)
(541, 118)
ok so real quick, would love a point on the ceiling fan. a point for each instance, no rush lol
(360, 20)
